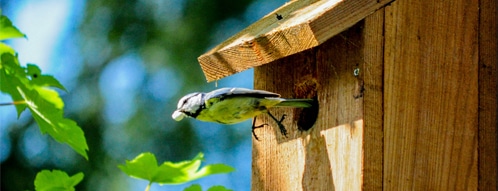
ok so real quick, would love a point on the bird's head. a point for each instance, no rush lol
(189, 105)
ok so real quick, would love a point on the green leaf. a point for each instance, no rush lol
(33, 70)
(12, 76)
(141, 167)
(145, 166)
(197, 187)
(7, 30)
(51, 121)
(45, 104)
(56, 180)
(37, 79)
(193, 187)
(6, 49)
(47, 81)
(39, 82)
(218, 188)
(50, 96)
(9, 60)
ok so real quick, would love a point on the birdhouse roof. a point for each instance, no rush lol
(294, 27)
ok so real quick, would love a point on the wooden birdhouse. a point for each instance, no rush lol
(406, 92)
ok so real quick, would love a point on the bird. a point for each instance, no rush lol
(235, 105)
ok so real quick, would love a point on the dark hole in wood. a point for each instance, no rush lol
(308, 116)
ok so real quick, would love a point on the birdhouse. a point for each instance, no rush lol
(406, 94)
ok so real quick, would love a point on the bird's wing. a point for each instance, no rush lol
(224, 93)
(234, 92)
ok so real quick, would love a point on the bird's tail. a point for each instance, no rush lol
(302, 103)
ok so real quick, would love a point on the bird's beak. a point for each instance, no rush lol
(177, 116)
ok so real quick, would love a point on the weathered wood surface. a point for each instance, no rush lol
(330, 155)
(372, 73)
(488, 140)
(304, 24)
(431, 95)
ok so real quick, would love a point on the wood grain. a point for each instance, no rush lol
(431, 95)
(373, 102)
(488, 139)
(278, 162)
(329, 155)
(305, 24)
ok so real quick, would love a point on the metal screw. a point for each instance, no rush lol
(356, 72)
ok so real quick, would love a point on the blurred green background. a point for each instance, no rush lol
(125, 65)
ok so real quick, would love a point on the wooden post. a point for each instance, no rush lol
(431, 95)
(407, 94)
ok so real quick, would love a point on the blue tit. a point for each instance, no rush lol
(234, 105)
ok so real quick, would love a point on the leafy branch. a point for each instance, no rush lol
(29, 88)
(145, 166)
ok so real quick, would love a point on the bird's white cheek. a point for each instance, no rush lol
(178, 115)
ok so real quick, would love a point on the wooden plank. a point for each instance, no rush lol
(304, 24)
(278, 162)
(431, 95)
(487, 95)
(329, 155)
(341, 114)
(373, 107)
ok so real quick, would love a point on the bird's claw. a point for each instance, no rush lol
(283, 131)
(255, 127)
(279, 123)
